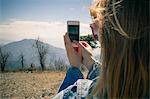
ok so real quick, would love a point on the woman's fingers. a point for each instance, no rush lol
(67, 39)
(66, 46)
(85, 44)
(70, 46)
(66, 43)
(73, 56)
(76, 47)
(85, 48)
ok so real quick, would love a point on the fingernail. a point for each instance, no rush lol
(84, 44)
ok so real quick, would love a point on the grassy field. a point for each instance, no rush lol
(19, 85)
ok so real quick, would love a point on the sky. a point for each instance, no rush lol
(46, 19)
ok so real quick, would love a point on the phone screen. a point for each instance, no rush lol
(73, 30)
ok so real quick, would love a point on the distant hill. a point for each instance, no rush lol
(26, 47)
(30, 53)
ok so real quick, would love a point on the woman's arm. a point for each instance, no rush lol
(72, 75)
(94, 71)
(75, 58)
(88, 60)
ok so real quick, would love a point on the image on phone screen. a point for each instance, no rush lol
(73, 30)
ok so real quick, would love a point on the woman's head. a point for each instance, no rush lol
(124, 35)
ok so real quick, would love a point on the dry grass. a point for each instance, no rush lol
(37, 85)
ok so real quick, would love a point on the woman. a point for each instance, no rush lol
(123, 27)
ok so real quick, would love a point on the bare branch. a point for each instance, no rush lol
(42, 50)
(3, 59)
(22, 60)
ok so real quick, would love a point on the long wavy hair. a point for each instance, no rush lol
(124, 32)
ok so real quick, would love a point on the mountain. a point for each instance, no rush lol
(25, 47)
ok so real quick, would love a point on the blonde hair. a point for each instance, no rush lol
(124, 34)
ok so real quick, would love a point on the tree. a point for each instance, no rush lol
(59, 64)
(22, 60)
(42, 50)
(3, 59)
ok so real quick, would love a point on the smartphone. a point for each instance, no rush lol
(73, 29)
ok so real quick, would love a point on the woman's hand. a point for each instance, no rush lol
(74, 57)
(86, 52)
